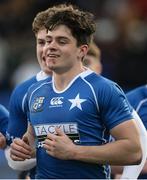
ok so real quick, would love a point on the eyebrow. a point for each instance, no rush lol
(40, 39)
(58, 37)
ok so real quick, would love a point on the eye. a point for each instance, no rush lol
(62, 41)
(48, 41)
(41, 43)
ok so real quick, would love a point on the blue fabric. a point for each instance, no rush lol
(4, 117)
(86, 110)
(138, 100)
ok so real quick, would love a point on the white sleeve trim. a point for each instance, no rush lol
(19, 165)
(132, 172)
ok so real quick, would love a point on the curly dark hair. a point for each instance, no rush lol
(80, 23)
(39, 21)
(42, 16)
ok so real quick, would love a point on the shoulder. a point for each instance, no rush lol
(19, 93)
(39, 85)
(100, 83)
(21, 89)
(136, 91)
(104, 90)
(137, 94)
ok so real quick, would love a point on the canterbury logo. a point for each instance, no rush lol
(56, 101)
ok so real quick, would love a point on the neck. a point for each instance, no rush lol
(61, 81)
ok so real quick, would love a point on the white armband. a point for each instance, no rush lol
(132, 172)
(19, 165)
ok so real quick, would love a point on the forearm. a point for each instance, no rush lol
(115, 153)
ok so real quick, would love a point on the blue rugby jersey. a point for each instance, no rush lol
(138, 99)
(4, 117)
(18, 117)
(18, 122)
(86, 110)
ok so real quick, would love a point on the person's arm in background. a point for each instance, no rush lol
(4, 118)
(26, 144)
(18, 125)
(19, 165)
(138, 99)
(17, 118)
(132, 172)
(138, 103)
(22, 149)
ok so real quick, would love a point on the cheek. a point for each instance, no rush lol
(39, 50)
(39, 56)
(68, 54)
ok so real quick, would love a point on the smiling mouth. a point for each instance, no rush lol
(49, 57)
(52, 56)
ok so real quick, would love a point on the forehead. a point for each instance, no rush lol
(60, 31)
(41, 34)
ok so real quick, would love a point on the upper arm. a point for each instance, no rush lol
(18, 118)
(17, 125)
(126, 130)
(114, 106)
(4, 117)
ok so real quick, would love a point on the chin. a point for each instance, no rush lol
(49, 72)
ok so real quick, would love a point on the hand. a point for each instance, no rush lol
(2, 141)
(59, 145)
(20, 149)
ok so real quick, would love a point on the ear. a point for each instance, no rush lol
(83, 50)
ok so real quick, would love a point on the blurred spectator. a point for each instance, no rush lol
(93, 58)
(4, 50)
(121, 35)
(28, 68)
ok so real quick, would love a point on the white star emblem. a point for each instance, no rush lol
(76, 102)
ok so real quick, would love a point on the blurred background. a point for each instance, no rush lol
(121, 35)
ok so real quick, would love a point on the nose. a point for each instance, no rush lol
(49, 47)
